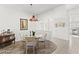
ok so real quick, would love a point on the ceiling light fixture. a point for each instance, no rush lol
(33, 17)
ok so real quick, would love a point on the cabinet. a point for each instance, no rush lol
(6, 39)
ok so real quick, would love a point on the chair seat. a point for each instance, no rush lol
(41, 40)
(31, 44)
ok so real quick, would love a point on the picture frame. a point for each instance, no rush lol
(23, 24)
(60, 24)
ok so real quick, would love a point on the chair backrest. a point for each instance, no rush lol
(44, 36)
(30, 39)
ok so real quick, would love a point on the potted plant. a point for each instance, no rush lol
(33, 33)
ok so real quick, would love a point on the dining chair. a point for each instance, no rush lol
(43, 38)
(31, 43)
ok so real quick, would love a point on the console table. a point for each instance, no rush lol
(6, 39)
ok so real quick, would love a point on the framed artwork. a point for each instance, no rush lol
(60, 24)
(23, 24)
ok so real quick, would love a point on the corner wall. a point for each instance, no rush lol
(53, 16)
(10, 19)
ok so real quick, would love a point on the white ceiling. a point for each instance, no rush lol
(36, 8)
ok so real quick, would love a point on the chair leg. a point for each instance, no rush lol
(44, 44)
(26, 50)
(33, 50)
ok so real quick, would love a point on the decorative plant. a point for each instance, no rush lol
(33, 33)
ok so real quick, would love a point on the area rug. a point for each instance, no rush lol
(49, 48)
(17, 48)
(20, 48)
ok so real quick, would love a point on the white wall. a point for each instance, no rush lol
(10, 19)
(51, 17)
(74, 41)
(74, 15)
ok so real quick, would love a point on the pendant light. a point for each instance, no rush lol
(33, 17)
